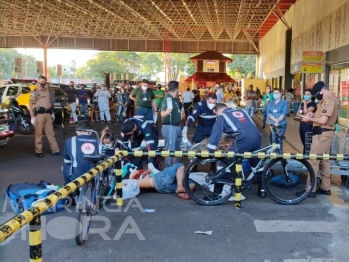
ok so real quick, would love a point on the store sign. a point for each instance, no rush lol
(313, 56)
(39, 67)
(18, 65)
(211, 64)
(312, 68)
(59, 70)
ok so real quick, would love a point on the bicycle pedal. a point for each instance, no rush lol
(246, 185)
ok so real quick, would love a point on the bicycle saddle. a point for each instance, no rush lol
(93, 158)
(233, 134)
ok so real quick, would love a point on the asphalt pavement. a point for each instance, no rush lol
(157, 227)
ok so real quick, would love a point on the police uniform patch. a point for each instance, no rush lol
(88, 148)
(326, 104)
(324, 111)
(238, 114)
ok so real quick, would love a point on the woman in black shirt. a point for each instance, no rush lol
(308, 105)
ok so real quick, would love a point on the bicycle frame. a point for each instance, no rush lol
(93, 199)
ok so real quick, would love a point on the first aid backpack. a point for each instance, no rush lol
(22, 196)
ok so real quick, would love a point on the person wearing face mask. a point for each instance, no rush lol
(203, 112)
(219, 93)
(145, 102)
(277, 112)
(171, 119)
(323, 120)
(41, 110)
(307, 106)
(123, 99)
(250, 100)
(72, 94)
(234, 120)
(107, 139)
(103, 96)
(267, 98)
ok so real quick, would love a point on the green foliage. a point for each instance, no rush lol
(7, 64)
(140, 64)
(243, 66)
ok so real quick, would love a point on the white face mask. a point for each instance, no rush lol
(211, 106)
(144, 88)
(102, 88)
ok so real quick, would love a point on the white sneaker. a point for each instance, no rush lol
(152, 168)
(232, 198)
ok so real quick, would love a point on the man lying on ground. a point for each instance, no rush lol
(169, 180)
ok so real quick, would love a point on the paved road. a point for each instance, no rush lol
(315, 230)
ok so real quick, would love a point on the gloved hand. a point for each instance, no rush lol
(152, 168)
(53, 117)
(33, 121)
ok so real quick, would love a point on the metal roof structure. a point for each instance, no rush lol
(229, 26)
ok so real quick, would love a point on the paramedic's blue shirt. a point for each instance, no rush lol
(280, 108)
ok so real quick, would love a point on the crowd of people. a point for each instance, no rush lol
(207, 113)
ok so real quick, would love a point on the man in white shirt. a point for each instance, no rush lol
(219, 93)
(188, 98)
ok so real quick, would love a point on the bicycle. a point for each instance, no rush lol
(94, 193)
(213, 187)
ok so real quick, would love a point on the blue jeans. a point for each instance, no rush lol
(250, 111)
(173, 138)
(282, 132)
(146, 112)
(165, 181)
(83, 110)
(120, 110)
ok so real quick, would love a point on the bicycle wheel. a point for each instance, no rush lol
(282, 179)
(109, 192)
(85, 213)
(201, 183)
(105, 186)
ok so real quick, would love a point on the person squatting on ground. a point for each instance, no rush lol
(235, 120)
(71, 94)
(138, 129)
(103, 96)
(307, 106)
(203, 111)
(324, 120)
(169, 180)
(171, 119)
(74, 150)
(277, 111)
(107, 139)
(41, 111)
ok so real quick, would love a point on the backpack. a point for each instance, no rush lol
(22, 196)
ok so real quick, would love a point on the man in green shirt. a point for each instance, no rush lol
(159, 95)
(145, 102)
(171, 118)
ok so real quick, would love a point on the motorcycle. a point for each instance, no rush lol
(21, 116)
(5, 121)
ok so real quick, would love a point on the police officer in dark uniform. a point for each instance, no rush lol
(235, 120)
(203, 111)
(138, 128)
(41, 110)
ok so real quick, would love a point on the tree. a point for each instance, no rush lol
(151, 64)
(7, 64)
(181, 64)
(243, 66)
